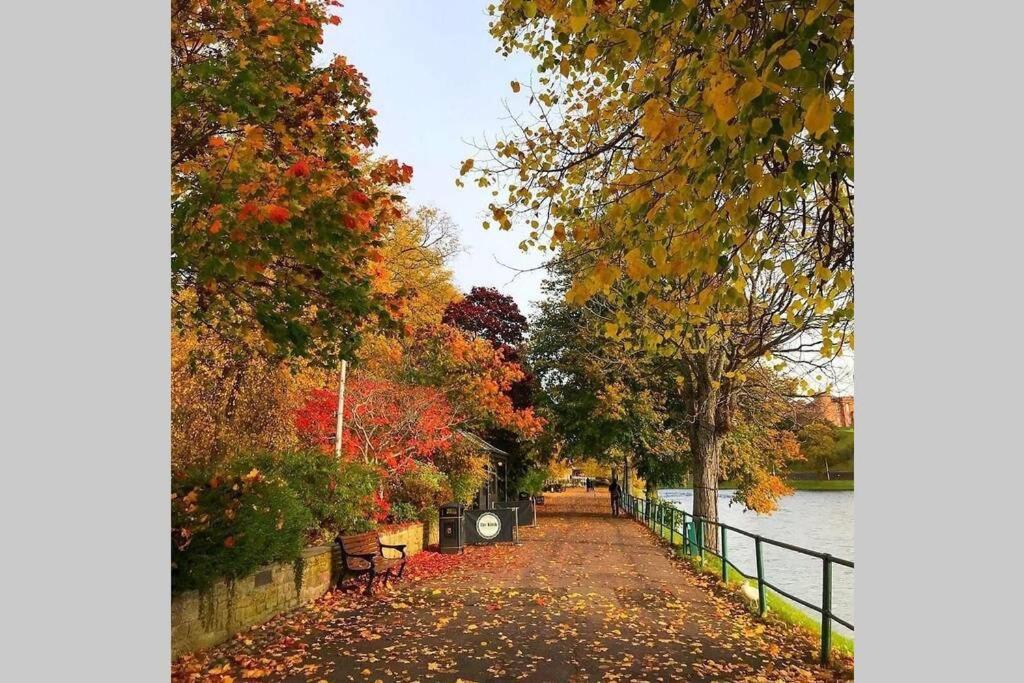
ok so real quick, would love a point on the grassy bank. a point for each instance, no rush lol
(778, 606)
(807, 485)
(821, 485)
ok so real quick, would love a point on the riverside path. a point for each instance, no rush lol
(585, 597)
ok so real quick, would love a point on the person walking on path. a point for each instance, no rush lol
(616, 493)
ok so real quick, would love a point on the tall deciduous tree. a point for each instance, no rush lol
(693, 161)
(488, 313)
(276, 206)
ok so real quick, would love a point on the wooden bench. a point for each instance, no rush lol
(364, 554)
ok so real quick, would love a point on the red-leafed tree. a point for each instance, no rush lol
(488, 313)
(491, 315)
(391, 424)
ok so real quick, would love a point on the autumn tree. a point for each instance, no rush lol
(413, 270)
(692, 161)
(488, 313)
(277, 205)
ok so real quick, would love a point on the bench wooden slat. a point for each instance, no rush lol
(363, 554)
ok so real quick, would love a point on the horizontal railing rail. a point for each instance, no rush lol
(659, 516)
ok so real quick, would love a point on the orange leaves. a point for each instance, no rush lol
(361, 221)
(334, 20)
(300, 169)
(277, 214)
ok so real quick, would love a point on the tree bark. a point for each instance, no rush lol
(709, 422)
(706, 462)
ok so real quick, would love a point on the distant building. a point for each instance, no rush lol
(836, 409)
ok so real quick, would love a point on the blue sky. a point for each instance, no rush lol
(437, 83)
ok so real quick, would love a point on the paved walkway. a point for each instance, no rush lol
(586, 597)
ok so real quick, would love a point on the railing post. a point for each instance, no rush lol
(762, 607)
(725, 563)
(672, 525)
(698, 522)
(826, 608)
(687, 546)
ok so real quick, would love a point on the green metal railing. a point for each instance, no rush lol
(661, 516)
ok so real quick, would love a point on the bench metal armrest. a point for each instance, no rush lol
(400, 547)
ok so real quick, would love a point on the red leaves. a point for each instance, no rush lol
(300, 169)
(392, 172)
(215, 227)
(229, 542)
(361, 221)
(277, 214)
(388, 422)
(335, 20)
(249, 210)
(360, 198)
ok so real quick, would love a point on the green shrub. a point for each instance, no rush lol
(422, 486)
(532, 481)
(228, 526)
(339, 495)
(404, 512)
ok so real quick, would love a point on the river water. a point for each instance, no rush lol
(816, 520)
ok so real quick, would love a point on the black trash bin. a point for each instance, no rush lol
(452, 539)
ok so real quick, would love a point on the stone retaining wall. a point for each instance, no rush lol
(201, 619)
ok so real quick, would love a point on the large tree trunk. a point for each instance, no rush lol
(707, 452)
(709, 415)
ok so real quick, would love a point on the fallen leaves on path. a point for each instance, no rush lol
(586, 597)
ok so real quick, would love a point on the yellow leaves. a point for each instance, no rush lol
(606, 274)
(718, 95)
(790, 60)
(818, 114)
(466, 167)
(748, 91)
(821, 272)
(577, 23)
(653, 119)
(761, 125)
(725, 107)
(788, 267)
(530, 9)
(590, 53)
(636, 267)
(515, 86)
(611, 330)
(564, 67)
(631, 41)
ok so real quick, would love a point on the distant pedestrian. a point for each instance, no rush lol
(616, 492)
(590, 484)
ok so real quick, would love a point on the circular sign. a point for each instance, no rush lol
(488, 525)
